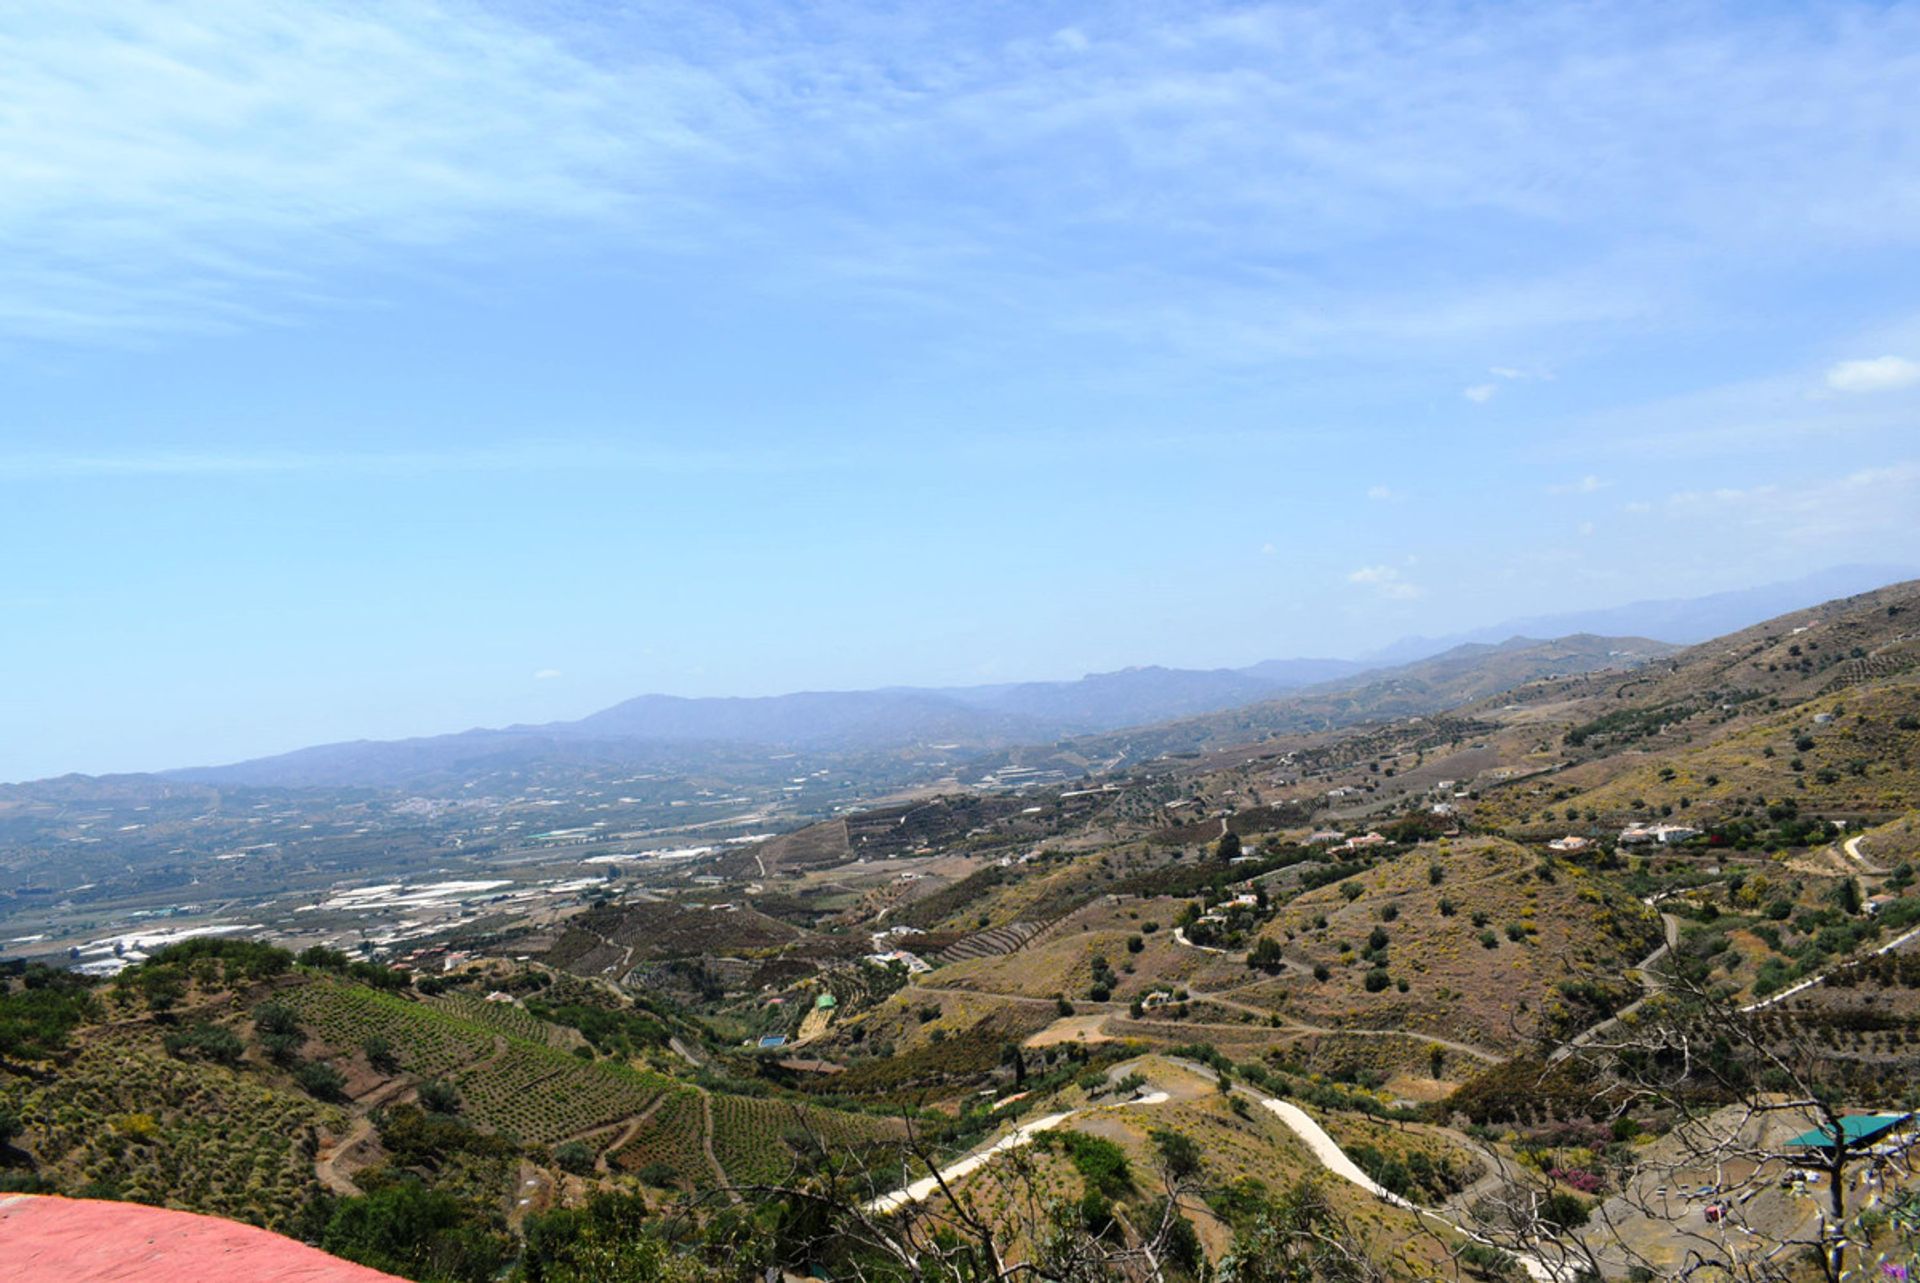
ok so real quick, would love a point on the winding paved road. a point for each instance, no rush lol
(1852, 847)
(1811, 981)
(1649, 978)
(1323, 1147)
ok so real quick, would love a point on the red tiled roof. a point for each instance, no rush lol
(72, 1240)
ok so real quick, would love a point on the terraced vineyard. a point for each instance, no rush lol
(429, 1042)
(1888, 662)
(673, 1137)
(759, 1141)
(542, 1095)
(127, 1121)
(509, 1018)
(990, 943)
(509, 1079)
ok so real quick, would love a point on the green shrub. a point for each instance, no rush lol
(1100, 1162)
(572, 1156)
(416, 1232)
(320, 1080)
(439, 1097)
(206, 1041)
(275, 1018)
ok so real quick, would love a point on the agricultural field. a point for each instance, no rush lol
(1865, 1019)
(1418, 1163)
(761, 1141)
(541, 1096)
(509, 1078)
(672, 1139)
(609, 940)
(427, 1041)
(124, 1120)
(1135, 939)
(508, 1018)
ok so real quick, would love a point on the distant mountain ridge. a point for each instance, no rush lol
(894, 717)
(1128, 704)
(1412, 676)
(1682, 621)
(1468, 672)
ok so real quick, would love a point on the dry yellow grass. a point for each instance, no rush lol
(1571, 926)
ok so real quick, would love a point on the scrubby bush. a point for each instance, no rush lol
(439, 1097)
(206, 1041)
(320, 1080)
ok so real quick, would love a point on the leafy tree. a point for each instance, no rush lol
(1180, 1156)
(1100, 1162)
(1564, 1210)
(423, 1234)
(240, 960)
(1847, 895)
(275, 1018)
(1297, 1238)
(320, 1080)
(380, 1055)
(38, 1015)
(573, 1156)
(440, 1097)
(161, 986)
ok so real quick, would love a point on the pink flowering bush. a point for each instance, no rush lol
(1578, 1178)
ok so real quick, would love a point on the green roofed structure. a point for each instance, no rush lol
(825, 1002)
(1856, 1130)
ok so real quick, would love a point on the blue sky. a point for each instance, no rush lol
(388, 369)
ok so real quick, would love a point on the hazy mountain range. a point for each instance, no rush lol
(823, 721)
(1681, 620)
(1041, 712)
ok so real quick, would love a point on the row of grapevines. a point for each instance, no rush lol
(428, 1042)
(542, 1095)
(133, 1123)
(673, 1137)
(509, 1018)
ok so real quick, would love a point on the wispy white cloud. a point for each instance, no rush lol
(1387, 581)
(1383, 494)
(545, 674)
(1481, 393)
(1837, 512)
(1588, 484)
(201, 163)
(196, 163)
(1777, 413)
(1876, 374)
